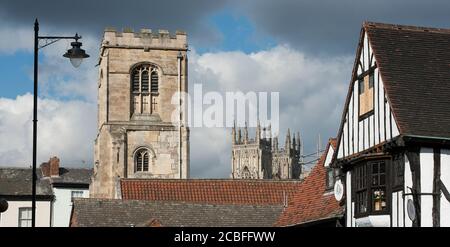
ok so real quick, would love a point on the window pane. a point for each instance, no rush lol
(144, 87)
(154, 82)
(382, 167)
(23, 214)
(330, 178)
(361, 86)
(77, 194)
(139, 162)
(374, 179)
(24, 217)
(145, 162)
(382, 179)
(135, 80)
(371, 80)
(361, 202)
(379, 200)
(375, 168)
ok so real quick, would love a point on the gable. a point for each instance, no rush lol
(329, 155)
(367, 119)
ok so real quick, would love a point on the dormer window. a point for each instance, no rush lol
(366, 92)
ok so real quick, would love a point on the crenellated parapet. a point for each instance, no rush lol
(145, 38)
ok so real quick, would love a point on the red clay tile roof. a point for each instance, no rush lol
(312, 202)
(210, 191)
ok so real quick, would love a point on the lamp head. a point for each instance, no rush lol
(76, 54)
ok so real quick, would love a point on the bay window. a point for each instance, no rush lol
(370, 187)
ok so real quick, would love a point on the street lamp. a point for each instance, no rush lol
(76, 55)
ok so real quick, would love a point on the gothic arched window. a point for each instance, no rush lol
(144, 89)
(141, 160)
(246, 173)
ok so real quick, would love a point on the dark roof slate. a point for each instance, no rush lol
(17, 182)
(414, 63)
(92, 212)
(73, 176)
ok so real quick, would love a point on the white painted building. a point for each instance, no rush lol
(394, 139)
(56, 188)
(63, 203)
(19, 213)
(15, 187)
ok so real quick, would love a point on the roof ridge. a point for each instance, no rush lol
(214, 179)
(369, 24)
(175, 202)
(15, 167)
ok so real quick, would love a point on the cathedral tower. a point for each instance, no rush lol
(261, 158)
(139, 76)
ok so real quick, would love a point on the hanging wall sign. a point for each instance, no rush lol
(338, 190)
(411, 210)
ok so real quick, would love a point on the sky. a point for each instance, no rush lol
(302, 49)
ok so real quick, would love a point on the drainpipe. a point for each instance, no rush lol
(179, 57)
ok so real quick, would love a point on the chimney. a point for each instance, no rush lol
(45, 169)
(54, 166)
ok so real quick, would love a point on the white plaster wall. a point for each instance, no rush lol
(426, 185)
(10, 218)
(63, 205)
(397, 209)
(329, 156)
(401, 216)
(445, 177)
(374, 221)
(394, 209)
(353, 213)
(348, 196)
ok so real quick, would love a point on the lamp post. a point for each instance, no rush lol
(76, 55)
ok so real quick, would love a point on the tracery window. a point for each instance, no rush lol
(246, 173)
(141, 160)
(144, 89)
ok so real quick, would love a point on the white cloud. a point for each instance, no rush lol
(312, 91)
(15, 38)
(58, 78)
(67, 103)
(65, 129)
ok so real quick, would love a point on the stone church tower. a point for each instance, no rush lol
(260, 158)
(139, 73)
